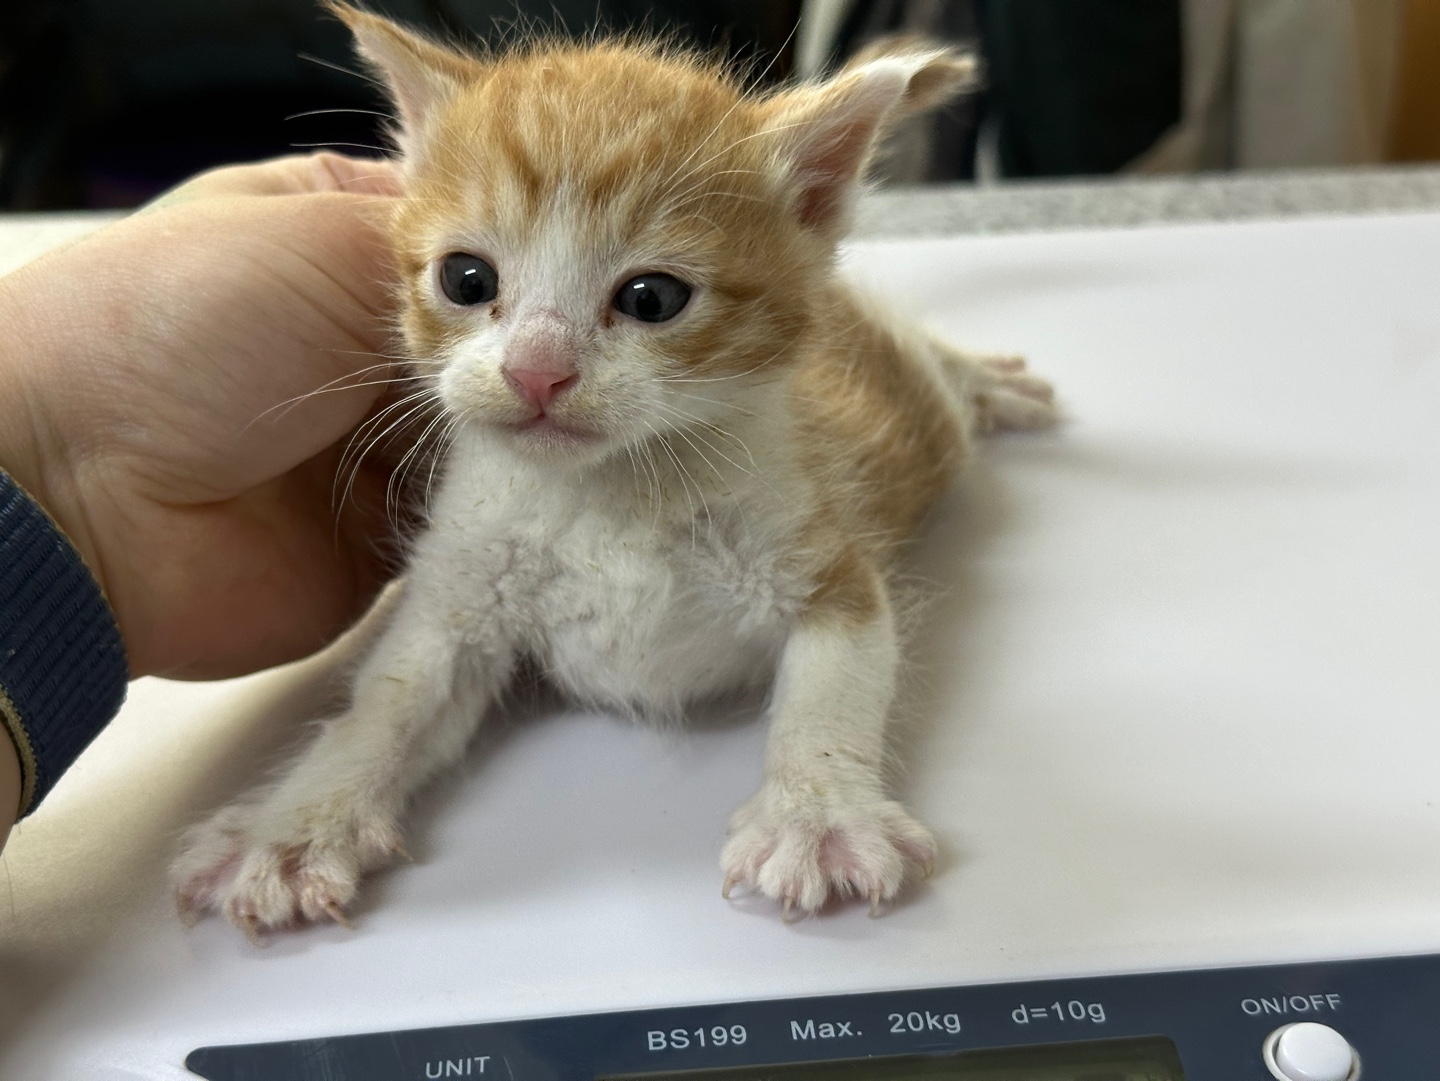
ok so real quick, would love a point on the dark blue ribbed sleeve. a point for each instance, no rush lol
(62, 664)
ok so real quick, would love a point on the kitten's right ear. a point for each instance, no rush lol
(420, 74)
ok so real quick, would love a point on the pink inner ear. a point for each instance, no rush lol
(830, 170)
(832, 146)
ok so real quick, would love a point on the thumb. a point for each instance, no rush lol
(299, 174)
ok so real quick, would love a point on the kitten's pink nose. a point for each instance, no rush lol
(542, 359)
(540, 386)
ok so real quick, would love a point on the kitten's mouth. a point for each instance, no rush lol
(546, 429)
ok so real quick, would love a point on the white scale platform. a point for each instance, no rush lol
(1176, 703)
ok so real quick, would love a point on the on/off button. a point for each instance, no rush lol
(1308, 1051)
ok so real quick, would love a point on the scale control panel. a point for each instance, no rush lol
(1329, 1021)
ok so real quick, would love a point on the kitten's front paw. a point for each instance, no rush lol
(267, 868)
(802, 852)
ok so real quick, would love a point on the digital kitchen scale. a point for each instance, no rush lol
(1226, 1023)
(1174, 714)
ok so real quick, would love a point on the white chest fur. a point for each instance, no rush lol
(635, 588)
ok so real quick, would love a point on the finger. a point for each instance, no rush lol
(363, 176)
(326, 355)
(286, 571)
(281, 347)
(298, 174)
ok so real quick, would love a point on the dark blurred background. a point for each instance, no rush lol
(104, 103)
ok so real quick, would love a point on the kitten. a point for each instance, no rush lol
(684, 452)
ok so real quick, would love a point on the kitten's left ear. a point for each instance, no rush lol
(827, 133)
(419, 73)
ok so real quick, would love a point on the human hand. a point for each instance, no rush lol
(153, 398)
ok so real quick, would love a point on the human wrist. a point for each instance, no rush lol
(32, 452)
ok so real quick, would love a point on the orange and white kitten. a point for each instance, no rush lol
(684, 452)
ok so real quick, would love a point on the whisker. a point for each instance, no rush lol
(647, 458)
(719, 378)
(682, 474)
(290, 403)
(361, 443)
(395, 487)
(370, 423)
(330, 112)
(743, 139)
(676, 200)
(698, 421)
(350, 455)
(328, 145)
(447, 440)
(362, 76)
(398, 359)
(734, 406)
(714, 468)
(359, 458)
(670, 181)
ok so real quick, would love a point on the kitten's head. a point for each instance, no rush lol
(601, 243)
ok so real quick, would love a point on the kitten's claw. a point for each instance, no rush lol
(874, 903)
(338, 914)
(786, 909)
(730, 884)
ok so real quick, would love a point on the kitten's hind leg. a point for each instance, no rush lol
(822, 825)
(293, 851)
(997, 392)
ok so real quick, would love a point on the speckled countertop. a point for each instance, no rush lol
(1110, 203)
(1030, 206)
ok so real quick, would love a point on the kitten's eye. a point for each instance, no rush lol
(652, 298)
(468, 279)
